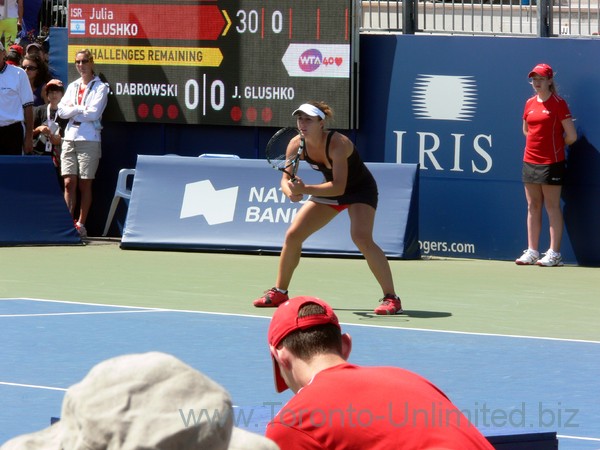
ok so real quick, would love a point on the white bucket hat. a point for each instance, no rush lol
(135, 402)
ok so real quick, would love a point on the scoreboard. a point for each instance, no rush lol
(219, 62)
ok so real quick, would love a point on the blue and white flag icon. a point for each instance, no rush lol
(77, 27)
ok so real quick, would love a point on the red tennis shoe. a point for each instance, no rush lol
(272, 299)
(390, 304)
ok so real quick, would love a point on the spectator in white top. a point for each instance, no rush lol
(16, 108)
(83, 104)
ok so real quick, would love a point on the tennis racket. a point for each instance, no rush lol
(277, 151)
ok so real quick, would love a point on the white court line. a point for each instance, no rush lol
(34, 386)
(43, 300)
(82, 313)
(468, 333)
(135, 309)
(579, 438)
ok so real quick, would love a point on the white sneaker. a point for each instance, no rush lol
(550, 259)
(528, 258)
(81, 230)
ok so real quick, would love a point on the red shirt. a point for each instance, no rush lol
(545, 143)
(352, 407)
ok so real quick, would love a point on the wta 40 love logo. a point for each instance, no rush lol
(312, 59)
(309, 60)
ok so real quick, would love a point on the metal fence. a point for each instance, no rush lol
(576, 18)
(53, 13)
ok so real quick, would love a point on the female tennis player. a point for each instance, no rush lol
(348, 185)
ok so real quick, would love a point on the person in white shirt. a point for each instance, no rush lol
(83, 104)
(16, 108)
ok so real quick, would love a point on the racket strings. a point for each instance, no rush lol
(276, 151)
(282, 162)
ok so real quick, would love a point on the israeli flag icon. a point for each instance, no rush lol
(77, 27)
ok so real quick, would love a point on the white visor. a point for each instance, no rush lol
(309, 109)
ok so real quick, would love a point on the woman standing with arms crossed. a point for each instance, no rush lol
(83, 104)
(348, 184)
(548, 126)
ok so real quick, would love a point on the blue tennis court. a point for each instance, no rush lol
(505, 384)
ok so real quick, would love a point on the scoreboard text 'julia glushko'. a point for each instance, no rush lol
(223, 62)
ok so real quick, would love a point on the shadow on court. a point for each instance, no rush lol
(369, 314)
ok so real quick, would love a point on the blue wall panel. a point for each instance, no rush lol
(32, 208)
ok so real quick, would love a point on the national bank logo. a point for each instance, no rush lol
(202, 199)
(444, 97)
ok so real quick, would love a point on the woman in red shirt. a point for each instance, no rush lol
(548, 127)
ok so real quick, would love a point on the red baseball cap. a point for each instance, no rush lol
(55, 85)
(17, 48)
(543, 70)
(286, 320)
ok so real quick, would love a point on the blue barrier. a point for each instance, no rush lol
(32, 207)
(236, 205)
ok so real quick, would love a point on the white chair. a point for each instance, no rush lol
(121, 191)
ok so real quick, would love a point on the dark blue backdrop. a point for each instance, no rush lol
(32, 207)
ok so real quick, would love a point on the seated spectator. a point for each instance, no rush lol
(342, 405)
(136, 402)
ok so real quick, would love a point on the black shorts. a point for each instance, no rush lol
(369, 197)
(11, 139)
(544, 173)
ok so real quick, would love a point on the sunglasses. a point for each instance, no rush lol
(28, 68)
(82, 61)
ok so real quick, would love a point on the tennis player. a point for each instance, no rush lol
(347, 185)
(342, 405)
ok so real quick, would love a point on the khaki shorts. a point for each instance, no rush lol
(80, 158)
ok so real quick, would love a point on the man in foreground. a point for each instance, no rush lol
(341, 405)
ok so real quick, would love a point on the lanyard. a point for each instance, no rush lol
(53, 125)
(49, 118)
(86, 92)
